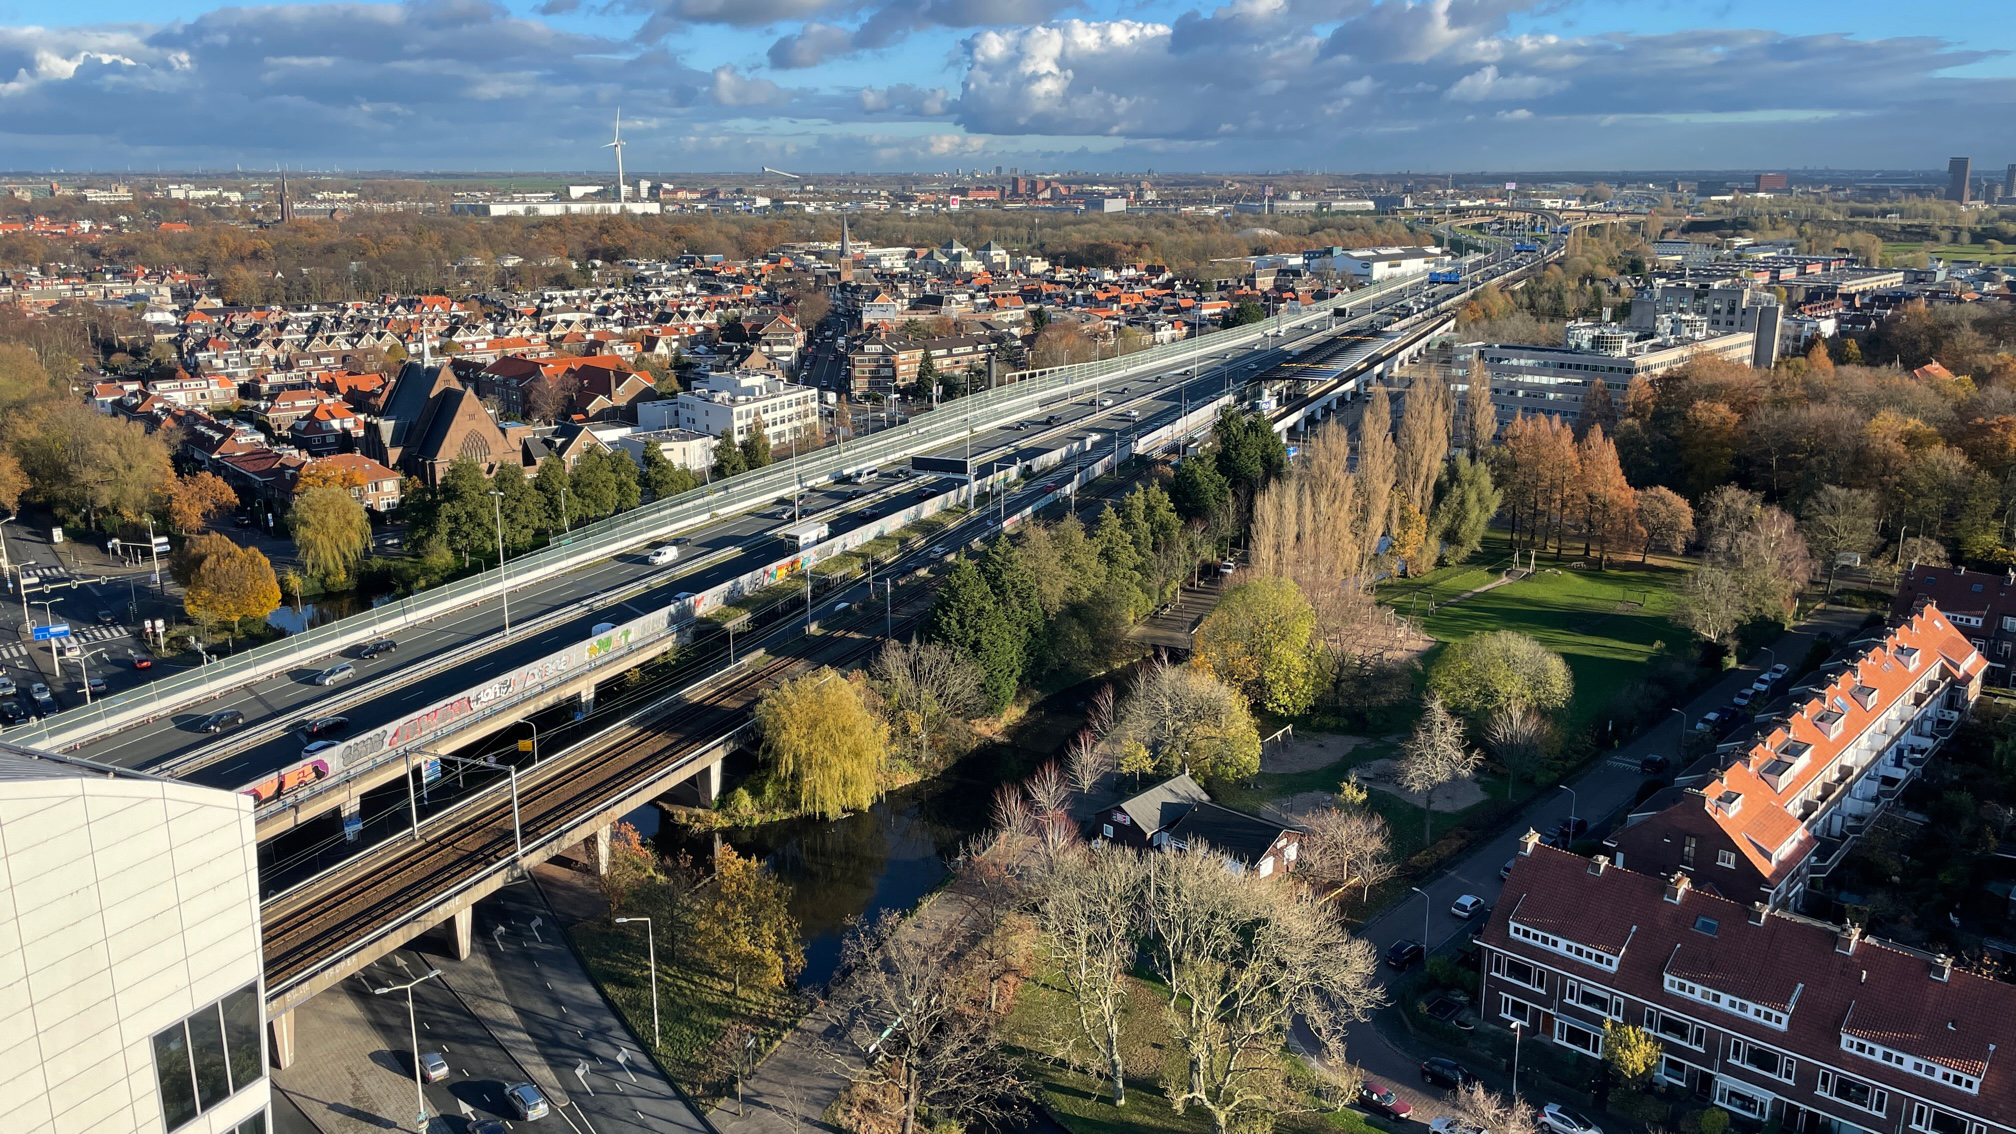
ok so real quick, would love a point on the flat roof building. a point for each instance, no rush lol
(1556, 380)
(132, 996)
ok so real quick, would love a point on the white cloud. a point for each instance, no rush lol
(732, 88)
(1486, 85)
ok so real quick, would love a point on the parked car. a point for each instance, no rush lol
(1404, 953)
(1381, 1100)
(335, 674)
(1743, 697)
(1572, 828)
(1467, 906)
(376, 649)
(664, 555)
(1444, 1072)
(526, 1100)
(222, 721)
(1709, 722)
(1450, 1124)
(1505, 871)
(1777, 672)
(1560, 1120)
(1654, 766)
(433, 1066)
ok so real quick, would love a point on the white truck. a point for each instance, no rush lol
(807, 535)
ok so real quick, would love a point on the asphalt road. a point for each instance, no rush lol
(730, 547)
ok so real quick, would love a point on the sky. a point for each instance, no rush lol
(927, 86)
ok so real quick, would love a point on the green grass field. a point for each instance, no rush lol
(1897, 250)
(1609, 625)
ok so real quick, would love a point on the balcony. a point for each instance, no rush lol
(1827, 854)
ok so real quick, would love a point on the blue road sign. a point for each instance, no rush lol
(59, 630)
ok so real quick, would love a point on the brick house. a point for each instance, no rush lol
(1981, 603)
(1177, 814)
(377, 488)
(1771, 1016)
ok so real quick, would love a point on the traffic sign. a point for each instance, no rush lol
(57, 630)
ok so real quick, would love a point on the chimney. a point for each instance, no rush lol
(1942, 968)
(1677, 887)
(1757, 912)
(1847, 939)
(1528, 841)
(1597, 864)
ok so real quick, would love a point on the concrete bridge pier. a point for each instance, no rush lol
(598, 845)
(708, 782)
(280, 1040)
(461, 932)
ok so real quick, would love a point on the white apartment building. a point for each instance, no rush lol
(1556, 380)
(736, 400)
(131, 996)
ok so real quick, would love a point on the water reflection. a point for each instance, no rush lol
(326, 608)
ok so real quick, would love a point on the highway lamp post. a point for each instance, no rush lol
(651, 952)
(49, 617)
(503, 586)
(1427, 907)
(84, 672)
(413, 1029)
(154, 549)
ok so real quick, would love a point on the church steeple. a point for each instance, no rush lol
(286, 203)
(846, 253)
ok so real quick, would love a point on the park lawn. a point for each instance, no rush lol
(1896, 248)
(1041, 1021)
(1609, 625)
(698, 1010)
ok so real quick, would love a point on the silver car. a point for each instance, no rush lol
(433, 1066)
(336, 673)
(526, 1101)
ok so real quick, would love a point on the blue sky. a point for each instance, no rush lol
(931, 85)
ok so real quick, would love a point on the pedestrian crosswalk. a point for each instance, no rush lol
(84, 635)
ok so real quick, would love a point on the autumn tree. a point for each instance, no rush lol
(1667, 521)
(745, 928)
(1541, 468)
(192, 500)
(331, 531)
(1481, 1109)
(1480, 417)
(230, 584)
(1425, 423)
(1485, 672)
(1435, 754)
(1344, 847)
(1257, 640)
(1185, 720)
(632, 866)
(822, 746)
(1630, 1052)
(1609, 504)
(1378, 468)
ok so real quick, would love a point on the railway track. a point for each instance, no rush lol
(303, 929)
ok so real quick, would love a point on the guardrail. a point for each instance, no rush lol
(1030, 392)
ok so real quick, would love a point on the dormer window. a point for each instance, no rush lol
(1829, 722)
(1729, 802)
(1908, 657)
(1864, 696)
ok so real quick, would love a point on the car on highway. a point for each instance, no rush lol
(433, 1066)
(1382, 1100)
(224, 720)
(1444, 1072)
(318, 747)
(1558, 1119)
(1403, 953)
(664, 555)
(377, 649)
(324, 726)
(1467, 906)
(1053, 419)
(335, 674)
(1020, 426)
(1134, 414)
(526, 1101)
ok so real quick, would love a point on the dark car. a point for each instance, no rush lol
(222, 721)
(1381, 1100)
(1654, 766)
(378, 648)
(107, 618)
(1404, 953)
(11, 712)
(325, 726)
(1440, 1072)
(1571, 829)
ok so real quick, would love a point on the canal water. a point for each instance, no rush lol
(888, 857)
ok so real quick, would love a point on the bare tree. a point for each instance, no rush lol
(1480, 417)
(1518, 737)
(1088, 906)
(913, 1015)
(1435, 755)
(929, 690)
(1086, 761)
(1483, 1110)
(1241, 961)
(1099, 717)
(1343, 847)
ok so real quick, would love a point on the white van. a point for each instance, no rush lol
(664, 555)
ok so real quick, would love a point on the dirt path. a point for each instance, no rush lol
(1380, 774)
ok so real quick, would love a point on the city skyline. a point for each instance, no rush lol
(828, 85)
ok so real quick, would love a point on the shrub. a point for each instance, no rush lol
(1715, 1120)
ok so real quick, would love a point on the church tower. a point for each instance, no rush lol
(846, 254)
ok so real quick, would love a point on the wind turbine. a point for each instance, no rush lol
(622, 188)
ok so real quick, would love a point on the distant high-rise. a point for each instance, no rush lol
(1960, 180)
(2009, 182)
(1770, 182)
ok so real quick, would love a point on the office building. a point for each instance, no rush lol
(131, 999)
(1785, 1022)
(1724, 309)
(1771, 183)
(737, 401)
(2009, 184)
(1960, 180)
(1556, 380)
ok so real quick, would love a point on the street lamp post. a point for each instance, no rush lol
(85, 672)
(651, 948)
(1572, 804)
(1427, 907)
(49, 616)
(419, 1083)
(503, 587)
(1518, 1030)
